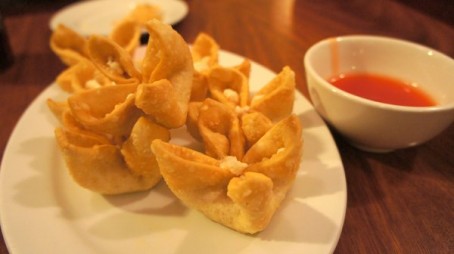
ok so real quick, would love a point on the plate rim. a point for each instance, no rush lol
(56, 18)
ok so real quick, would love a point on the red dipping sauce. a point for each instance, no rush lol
(383, 89)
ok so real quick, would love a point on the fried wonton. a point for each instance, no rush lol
(115, 112)
(240, 194)
(68, 45)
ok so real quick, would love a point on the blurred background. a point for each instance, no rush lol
(442, 10)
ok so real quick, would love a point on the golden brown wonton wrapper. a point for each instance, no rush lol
(115, 112)
(68, 45)
(205, 55)
(160, 100)
(82, 76)
(113, 60)
(275, 99)
(108, 110)
(229, 86)
(254, 126)
(220, 130)
(240, 195)
(114, 134)
(137, 149)
(99, 166)
(168, 57)
(127, 35)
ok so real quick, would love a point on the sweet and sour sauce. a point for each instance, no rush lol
(383, 89)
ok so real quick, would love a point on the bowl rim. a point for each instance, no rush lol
(358, 99)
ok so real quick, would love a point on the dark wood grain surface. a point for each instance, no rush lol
(400, 202)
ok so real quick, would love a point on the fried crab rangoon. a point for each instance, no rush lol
(106, 131)
(242, 195)
(252, 149)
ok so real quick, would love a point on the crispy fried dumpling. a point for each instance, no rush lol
(229, 86)
(168, 57)
(109, 110)
(70, 46)
(127, 35)
(113, 60)
(275, 99)
(240, 194)
(112, 124)
(99, 166)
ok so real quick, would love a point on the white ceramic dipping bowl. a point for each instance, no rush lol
(375, 126)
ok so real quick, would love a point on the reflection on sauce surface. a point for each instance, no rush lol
(382, 89)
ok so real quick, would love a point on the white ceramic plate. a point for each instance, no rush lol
(42, 210)
(99, 16)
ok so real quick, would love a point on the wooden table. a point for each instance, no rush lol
(401, 202)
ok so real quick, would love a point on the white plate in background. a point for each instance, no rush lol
(99, 16)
